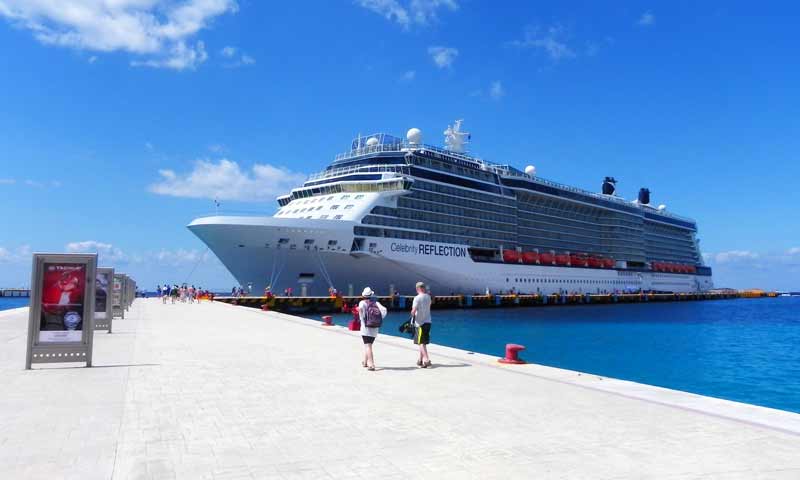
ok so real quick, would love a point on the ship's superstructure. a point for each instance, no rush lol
(391, 211)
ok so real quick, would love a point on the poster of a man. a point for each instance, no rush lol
(101, 295)
(63, 287)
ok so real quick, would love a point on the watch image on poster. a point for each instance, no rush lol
(101, 295)
(63, 288)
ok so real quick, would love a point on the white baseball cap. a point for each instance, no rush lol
(367, 292)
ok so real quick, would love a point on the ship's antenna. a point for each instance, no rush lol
(454, 138)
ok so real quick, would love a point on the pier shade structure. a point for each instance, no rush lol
(212, 390)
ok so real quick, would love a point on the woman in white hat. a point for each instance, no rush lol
(371, 314)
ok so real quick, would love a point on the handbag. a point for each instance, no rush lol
(407, 327)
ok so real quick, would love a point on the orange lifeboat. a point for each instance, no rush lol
(577, 260)
(510, 256)
(608, 262)
(546, 258)
(530, 258)
(656, 266)
(692, 269)
(562, 259)
(595, 262)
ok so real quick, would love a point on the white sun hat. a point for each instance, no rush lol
(367, 292)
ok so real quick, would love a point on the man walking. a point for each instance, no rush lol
(421, 311)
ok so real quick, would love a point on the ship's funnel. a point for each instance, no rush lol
(644, 196)
(609, 186)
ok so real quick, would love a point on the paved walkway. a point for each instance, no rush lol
(217, 391)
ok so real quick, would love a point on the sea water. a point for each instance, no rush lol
(747, 350)
(7, 303)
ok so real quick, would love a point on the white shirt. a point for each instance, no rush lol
(362, 315)
(422, 305)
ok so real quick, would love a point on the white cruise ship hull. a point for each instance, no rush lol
(310, 256)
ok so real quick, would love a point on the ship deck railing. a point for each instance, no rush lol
(500, 169)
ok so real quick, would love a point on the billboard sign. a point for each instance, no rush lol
(61, 315)
(102, 299)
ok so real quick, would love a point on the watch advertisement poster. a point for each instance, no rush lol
(62, 312)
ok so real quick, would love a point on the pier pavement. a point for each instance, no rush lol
(224, 392)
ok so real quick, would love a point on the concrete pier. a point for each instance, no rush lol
(213, 390)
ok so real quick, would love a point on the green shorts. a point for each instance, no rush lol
(422, 334)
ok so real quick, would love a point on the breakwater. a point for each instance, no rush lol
(15, 292)
(401, 302)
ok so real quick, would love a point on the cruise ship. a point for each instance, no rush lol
(391, 212)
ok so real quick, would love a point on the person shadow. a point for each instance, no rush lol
(433, 367)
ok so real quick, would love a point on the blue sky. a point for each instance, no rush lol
(121, 120)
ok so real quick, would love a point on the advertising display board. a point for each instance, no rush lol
(61, 315)
(117, 308)
(102, 299)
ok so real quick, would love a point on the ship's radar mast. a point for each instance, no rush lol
(455, 139)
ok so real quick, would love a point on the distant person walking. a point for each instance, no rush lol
(371, 314)
(421, 311)
(164, 293)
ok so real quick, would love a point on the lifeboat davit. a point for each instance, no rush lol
(562, 259)
(530, 258)
(546, 258)
(510, 256)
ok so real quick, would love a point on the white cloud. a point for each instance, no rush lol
(419, 12)
(7, 181)
(443, 57)
(148, 145)
(20, 254)
(793, 251)
(230, 53)
(496, 91)
(92, 59)
(646, 19)
(158, 30)
(225, 180)
(551, 40)
(105, 251)
(731, 256)
(409, 75)
(181, 57)
(178, 257)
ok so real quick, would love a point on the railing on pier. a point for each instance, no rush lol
(15, 292)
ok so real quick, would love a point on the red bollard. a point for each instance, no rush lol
(355, 323)
(327, 321)
(512, 354)
(265, 307)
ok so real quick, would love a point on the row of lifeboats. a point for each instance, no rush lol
(561, 259)
(672, 267)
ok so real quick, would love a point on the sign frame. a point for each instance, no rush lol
(58, 352)
(106, 323)
(117, 295)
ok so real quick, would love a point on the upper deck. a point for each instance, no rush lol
(391, 154)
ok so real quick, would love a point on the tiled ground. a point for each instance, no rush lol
(215, 391)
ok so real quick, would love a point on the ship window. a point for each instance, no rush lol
(345, 197)
(323, 217)
(331, 243)
(337, 217)
(283, 240)
(309, 241)
(319, 208)
(358, 197)
(348, 207)
(334, 207)
(309, 216)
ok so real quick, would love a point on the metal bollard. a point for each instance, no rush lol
(327, 321)
(512, 354)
